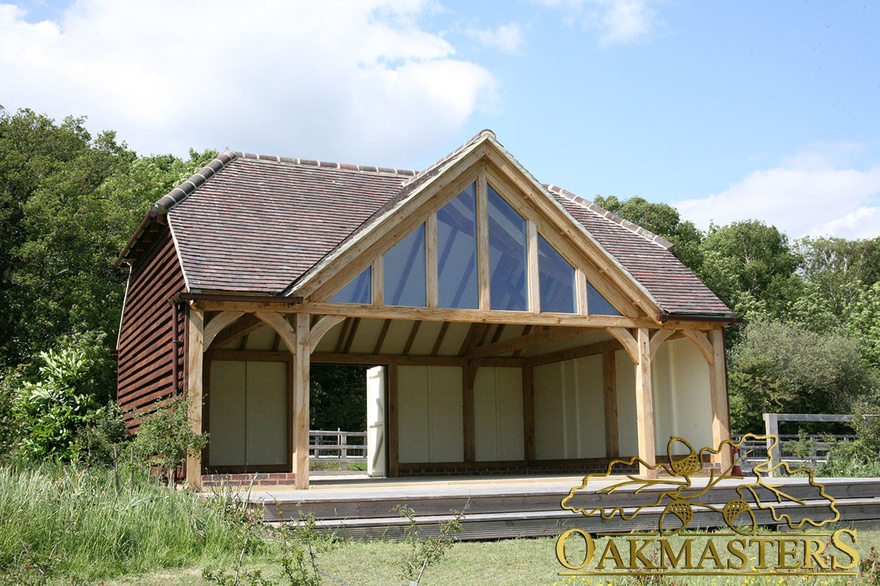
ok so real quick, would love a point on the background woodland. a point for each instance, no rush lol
(809, 340)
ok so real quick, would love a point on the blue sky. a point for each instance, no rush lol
(726, 110)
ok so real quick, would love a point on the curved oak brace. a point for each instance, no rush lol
(218, 324)
(323, 325)
(281, 326)
(702, 341)
(658, 338)
(629, 342)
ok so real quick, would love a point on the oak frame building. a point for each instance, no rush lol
(520, 327)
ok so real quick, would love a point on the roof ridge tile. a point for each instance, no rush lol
(452, 155)
(600, 211)
(326, 164)
(182, 191)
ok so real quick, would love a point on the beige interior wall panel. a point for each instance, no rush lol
(426, 338)
(445, 414)
(454, 338)
(549, 434)
(226, 401)
(590, 402)
(413, 414)
(367, 333)
(664, 399)
(267, 413)
(692, 398)
(626, 405)
(328, 342)
(262, 339)
(398, 333)
(498, 417)
(509, 405)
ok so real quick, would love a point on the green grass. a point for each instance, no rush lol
(62, 521)
(62, 525)
(516, 562)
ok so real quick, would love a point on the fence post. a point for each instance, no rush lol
(774, 450)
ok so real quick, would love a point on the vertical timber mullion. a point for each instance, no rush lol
(483, 267)
(431, 262)
(533, 273)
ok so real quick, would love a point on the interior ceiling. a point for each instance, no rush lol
(417, 338)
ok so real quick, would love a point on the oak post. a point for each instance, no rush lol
(528, 387)
(301, 360)
(393, 424)
(718, 390)
(609, 387)
(645, 405)
(195, 356)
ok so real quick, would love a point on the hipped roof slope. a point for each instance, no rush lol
(255, 224)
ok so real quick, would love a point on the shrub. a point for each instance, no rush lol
(55, 408)
(165, 437)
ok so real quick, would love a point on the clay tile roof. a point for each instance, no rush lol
(647, 257)
(262, 221)
(257, 224)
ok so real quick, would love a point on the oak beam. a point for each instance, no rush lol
(529, 341)
(579, 352)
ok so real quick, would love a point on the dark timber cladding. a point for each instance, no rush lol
(147, 339)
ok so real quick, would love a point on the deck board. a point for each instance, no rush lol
(498, 508)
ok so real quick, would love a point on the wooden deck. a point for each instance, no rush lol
(498, 508)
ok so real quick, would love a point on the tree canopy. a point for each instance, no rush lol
(69, 201)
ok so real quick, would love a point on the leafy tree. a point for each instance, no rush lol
(785, 368)
(68, 204)
(752, 268)
(338, 397)
(663, 220)
(54, 409)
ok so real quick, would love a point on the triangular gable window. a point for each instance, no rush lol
(508, 284)
(405, 271)
(597, 304)
(557, 284)
(446, 247)
(358, 289)
(457, 252)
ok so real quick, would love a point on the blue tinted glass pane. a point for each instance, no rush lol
(357, 290)
(556, 279)
(597, 304)
(507, 255)
(457, 251)
(405, 271)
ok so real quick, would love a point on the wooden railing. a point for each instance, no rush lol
(342, 447)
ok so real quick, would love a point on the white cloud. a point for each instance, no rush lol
(506, 37)
(330, 80)
(813, 193)
(618, 21)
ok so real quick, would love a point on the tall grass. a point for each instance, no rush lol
(60, 521)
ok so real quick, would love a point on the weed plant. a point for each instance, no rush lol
(85, 525)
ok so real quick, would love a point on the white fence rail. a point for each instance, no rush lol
(342, 447)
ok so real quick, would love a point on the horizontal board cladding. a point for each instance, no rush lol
(146, 337)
